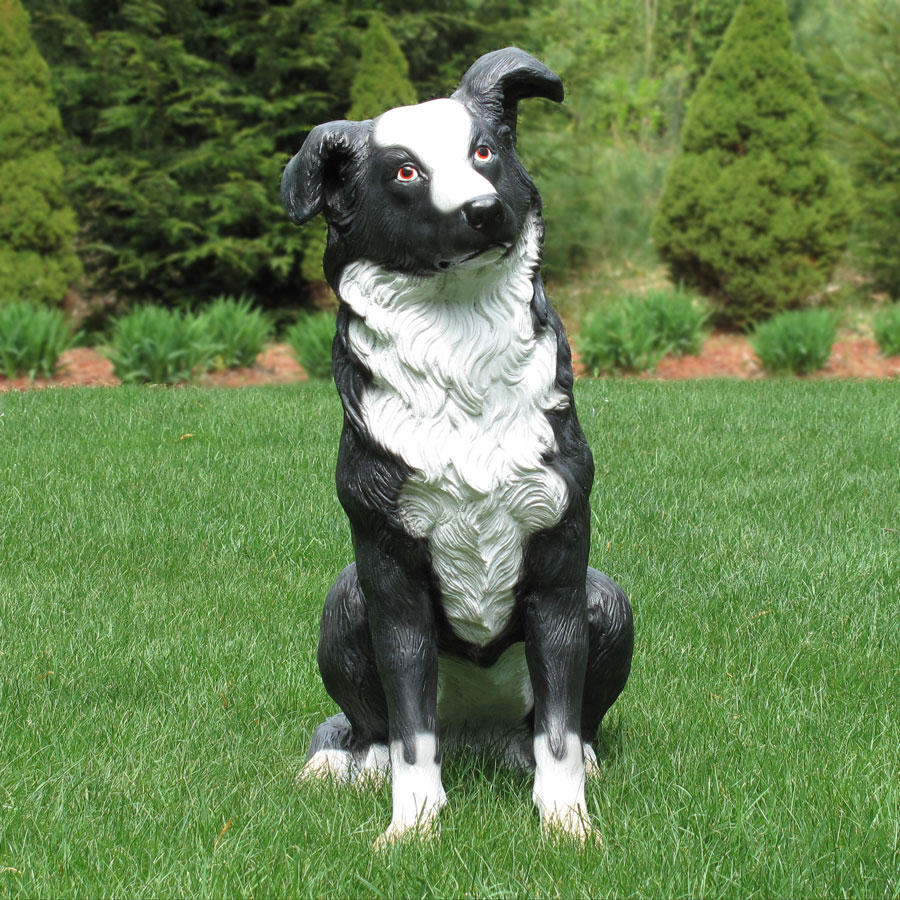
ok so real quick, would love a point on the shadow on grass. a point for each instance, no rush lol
(610, 740)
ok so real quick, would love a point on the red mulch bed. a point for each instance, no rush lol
(87, 366)
(730, 356)
(723, 356)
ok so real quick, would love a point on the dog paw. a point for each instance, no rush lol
(425, 829)
(591, 766)
(326, 765)
(571, 823)
(375, 768)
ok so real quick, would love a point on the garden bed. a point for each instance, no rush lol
(723, 356)
(87, 366)
(730, 356)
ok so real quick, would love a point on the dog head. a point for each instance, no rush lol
(423, 189)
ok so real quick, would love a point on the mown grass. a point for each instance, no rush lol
(164, 558)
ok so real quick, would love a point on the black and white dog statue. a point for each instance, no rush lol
(471, 614)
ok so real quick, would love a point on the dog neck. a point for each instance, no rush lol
(466, 334)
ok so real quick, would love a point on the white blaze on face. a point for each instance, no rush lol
(438, 135)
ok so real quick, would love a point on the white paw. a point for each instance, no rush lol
(417, 794)
(426, 827)
(326, 764)
(375, 768)
(559, 788)
(571, 823)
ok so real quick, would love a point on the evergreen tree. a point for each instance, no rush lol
(864, 81)
(186, 118)
(753, 213)
(37, 226)
(183, 115)
(382, 78)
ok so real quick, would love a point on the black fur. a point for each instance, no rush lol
(384, 624)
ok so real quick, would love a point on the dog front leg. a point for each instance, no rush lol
(403, 636)
(556, 646)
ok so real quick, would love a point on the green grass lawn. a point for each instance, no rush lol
(165, 555)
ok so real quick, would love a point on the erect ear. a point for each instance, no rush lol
(318, 164)
(497, 81)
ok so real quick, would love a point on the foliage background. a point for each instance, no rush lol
(753, 213)
(37, 224)
(179, 116)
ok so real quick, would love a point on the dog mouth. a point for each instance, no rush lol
(491, 253)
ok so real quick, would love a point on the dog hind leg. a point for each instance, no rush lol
(354, 742)
(330, 753)
(610, 645)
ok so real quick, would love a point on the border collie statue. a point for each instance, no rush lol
(470, 615)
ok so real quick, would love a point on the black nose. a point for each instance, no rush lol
(484, 213)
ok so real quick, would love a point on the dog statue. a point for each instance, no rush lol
(471, 615)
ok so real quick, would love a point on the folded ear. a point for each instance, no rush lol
(497, 81)
(317, 165)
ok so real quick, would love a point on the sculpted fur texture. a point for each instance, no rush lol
(470, 615)
(460, 387)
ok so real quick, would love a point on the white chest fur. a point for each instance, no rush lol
(460, 387)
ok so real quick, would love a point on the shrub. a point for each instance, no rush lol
(32, 339)
(862, 75)
(633, 332)
(620, 337)
(797, 342)
(382, 77)
(310, 338)
(753, 213)
(37, 225)
(677, 319)
(159, 346)
(236, 330)
(887, 329)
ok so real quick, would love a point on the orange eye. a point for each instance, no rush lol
(407, 173)
(483, 153)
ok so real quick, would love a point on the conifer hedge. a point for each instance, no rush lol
(182, 115)
(753, 213)
(866, 78)
(37, 225)
(381, 82)
(382, 79)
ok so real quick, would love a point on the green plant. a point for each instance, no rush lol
(310, 337)
(159, 346)
(753, 213)
(621, 336)
(598, 201)
(861, 73)
(382, 76)
(181, 118)
(32, 339)
(633, 332)
(887, 329)
(678, 320)
(236, 329)
(37, 225)
(797, 341)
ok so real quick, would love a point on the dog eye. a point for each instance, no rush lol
(483, 153)
(407, 173)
